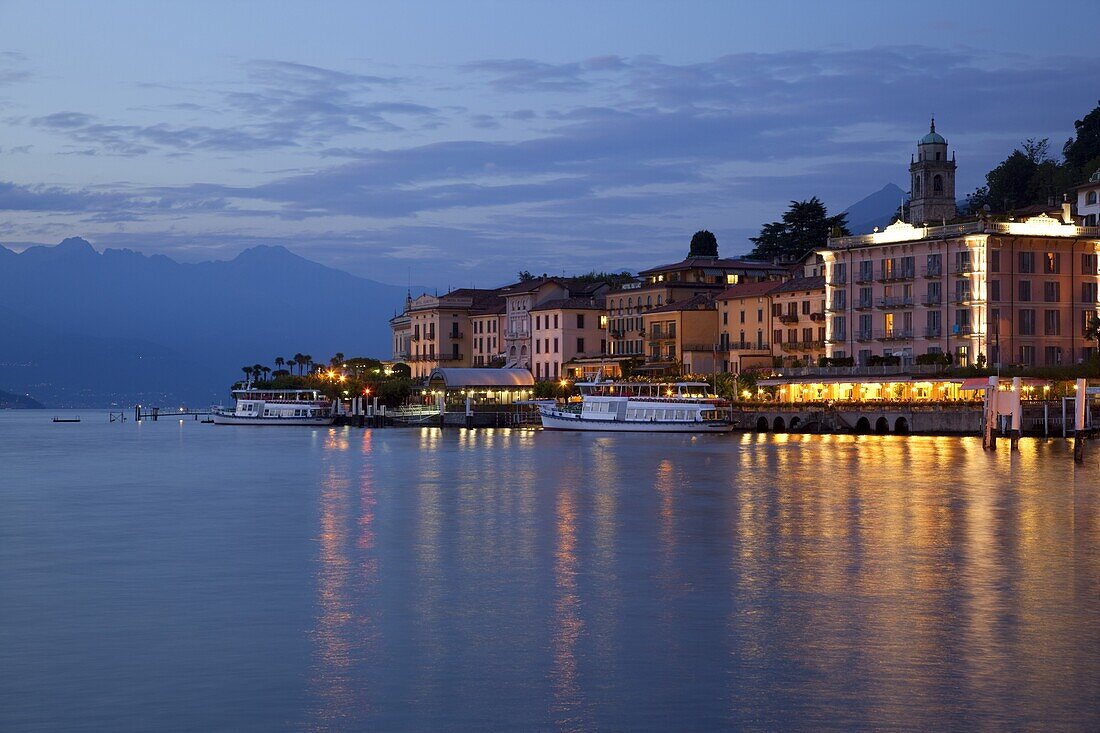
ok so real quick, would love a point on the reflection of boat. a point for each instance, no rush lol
(275, 407)
(679, 407)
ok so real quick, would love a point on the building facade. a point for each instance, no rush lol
(1088, 201)
(564, 330)
(798, 320)
(439, 328)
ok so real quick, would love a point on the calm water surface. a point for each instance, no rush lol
(169, 576)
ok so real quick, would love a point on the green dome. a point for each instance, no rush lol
(933, 137)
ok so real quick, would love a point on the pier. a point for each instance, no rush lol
(180, 413)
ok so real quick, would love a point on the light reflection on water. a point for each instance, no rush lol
(427, 579)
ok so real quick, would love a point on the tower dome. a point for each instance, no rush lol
(933, 137)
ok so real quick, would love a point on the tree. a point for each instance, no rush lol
(805, 226)
(247, 373)
(279, 362)
(1092, 331)
(703, 244)
(300, 360)
(1082, 152)
(525, 276)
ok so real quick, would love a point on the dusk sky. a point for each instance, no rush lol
(452, 144)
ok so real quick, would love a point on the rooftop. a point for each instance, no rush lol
(748, 290)
(697, 303)
(714, 263)
(899, 231)
(798, 284)
(575, 303)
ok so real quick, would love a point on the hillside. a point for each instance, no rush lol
(9, 401)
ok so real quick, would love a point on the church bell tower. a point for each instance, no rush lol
(932, 192)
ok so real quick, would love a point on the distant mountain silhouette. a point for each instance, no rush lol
(9, 401)
(84, 328)
(876, 210)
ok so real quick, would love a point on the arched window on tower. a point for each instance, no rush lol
(1090, 197)
(916, 186)
(937, 184)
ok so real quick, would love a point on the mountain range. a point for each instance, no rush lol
(875, 210)
(83, 328)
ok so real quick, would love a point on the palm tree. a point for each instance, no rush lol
(290, 364)
(337, 360)
(279, 362)
(247, 374)
(266, 372)
(300, 360)
(307, 360)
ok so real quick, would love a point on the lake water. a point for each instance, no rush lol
(181, 576)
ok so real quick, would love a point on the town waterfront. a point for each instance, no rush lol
(181, 576)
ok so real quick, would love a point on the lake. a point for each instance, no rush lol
(178, 576)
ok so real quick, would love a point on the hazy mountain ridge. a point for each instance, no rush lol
(129, 325)
(876, 209)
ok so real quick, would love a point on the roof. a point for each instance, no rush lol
(748, 290)
(933, 137)
(697, 303)
(454, 377)
(577, 303)
(714, 263)
(798, 284)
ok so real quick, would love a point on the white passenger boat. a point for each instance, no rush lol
(275, 407)
(649, 407)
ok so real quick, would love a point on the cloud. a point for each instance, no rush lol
(13, 68)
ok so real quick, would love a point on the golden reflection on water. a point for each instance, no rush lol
(568, 625)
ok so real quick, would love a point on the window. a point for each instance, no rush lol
(994, 260)
(580, 320)
(805, 307)
(1027, 322)
(1088, 293)
(777, 336)
(1090, 197)
(1052, 355)
(1027, 262)
(932, 265)
(1025, 291)
(1088, 264)
(759, 315)
(1027, 355)
(538, 345)
(555, 344)
(1051, 291)
(1052, 323)
(840, 328)
(1052, 263)
(580, 346)
(555, 320)
(725, 318)
(994, 289)
(937, 180)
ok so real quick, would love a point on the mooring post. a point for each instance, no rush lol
(1080, 402)
(1017, 414)
(469, 412)
(1046, 419)
(989, 441)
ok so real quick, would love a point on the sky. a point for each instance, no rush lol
(452, 144)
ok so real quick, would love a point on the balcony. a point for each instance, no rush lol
(864, 304)
(836, 307)
(818, 317)
(896, 302)
(838, 280)
(745, 346)
(964, 298)
(932, 272)
(897, 334)
(837, 338)
(933, 332)
(701, 347)
(456, 335)
(449, 357)
(962, 268)
(962, 329)
(931, 301)
(788, 318)
(865, 277)
(864, 336)
(893, 276)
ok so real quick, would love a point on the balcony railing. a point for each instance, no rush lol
(864, 304)
(838, 280)
(864, 336)
(788, 318)
(456, 335)
(962, 268)
(933, 332)
(931, 272)
(889, 276)
(744, 346)
(963, 298)
(896, 302)
(931, 301)
(836, 306)
(819, 317)
(896, 334)
(802, 345)
(865, 277)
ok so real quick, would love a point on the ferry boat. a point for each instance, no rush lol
(275, 407)
(649, 407)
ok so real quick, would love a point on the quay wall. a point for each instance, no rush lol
(882, 420)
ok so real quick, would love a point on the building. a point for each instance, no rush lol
(657, 287)
(932, 193)
(565, 330)
(1088, 201)
(439, 328)
(798, 319)
(487, 323)
(1002, 293)
(745, 318)
(519, 301)
(680, 336)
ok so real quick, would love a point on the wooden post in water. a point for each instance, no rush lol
(469, 412)
(1080, 402)
(1017, 414)
(989, 437)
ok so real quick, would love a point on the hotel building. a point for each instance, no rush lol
(1003, 293)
